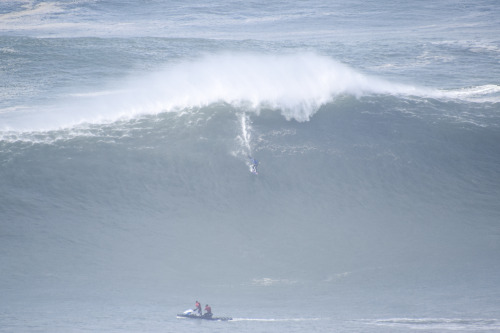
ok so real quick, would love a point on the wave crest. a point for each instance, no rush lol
(297, 85)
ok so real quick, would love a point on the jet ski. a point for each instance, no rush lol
(192, 315)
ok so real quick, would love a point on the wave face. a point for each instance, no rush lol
(126, 144)
(360, 177)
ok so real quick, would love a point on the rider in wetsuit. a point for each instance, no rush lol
(253, 164)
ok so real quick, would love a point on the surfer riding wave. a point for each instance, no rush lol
(253, 165)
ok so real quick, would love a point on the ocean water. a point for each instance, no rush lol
(126, 136)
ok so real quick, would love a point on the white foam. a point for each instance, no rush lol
(266, 282)
(297, 85)
(276, 319)
(441, 324)
(29, 10)
(480, 94)
(29, 15)
(244, 139)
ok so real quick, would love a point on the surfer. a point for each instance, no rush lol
(198, 307)
(208, 311)
(253, 165)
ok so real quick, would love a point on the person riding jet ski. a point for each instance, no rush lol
(198, 308)
(208, 311)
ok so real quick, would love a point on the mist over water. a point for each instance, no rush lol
(125, 164)
(296, 85)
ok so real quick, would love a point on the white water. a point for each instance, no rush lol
(296, 85)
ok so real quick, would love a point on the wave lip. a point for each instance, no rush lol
(296, 85)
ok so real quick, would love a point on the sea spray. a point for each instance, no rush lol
(244, 144)
(296, 85)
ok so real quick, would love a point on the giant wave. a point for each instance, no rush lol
(297, 85)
